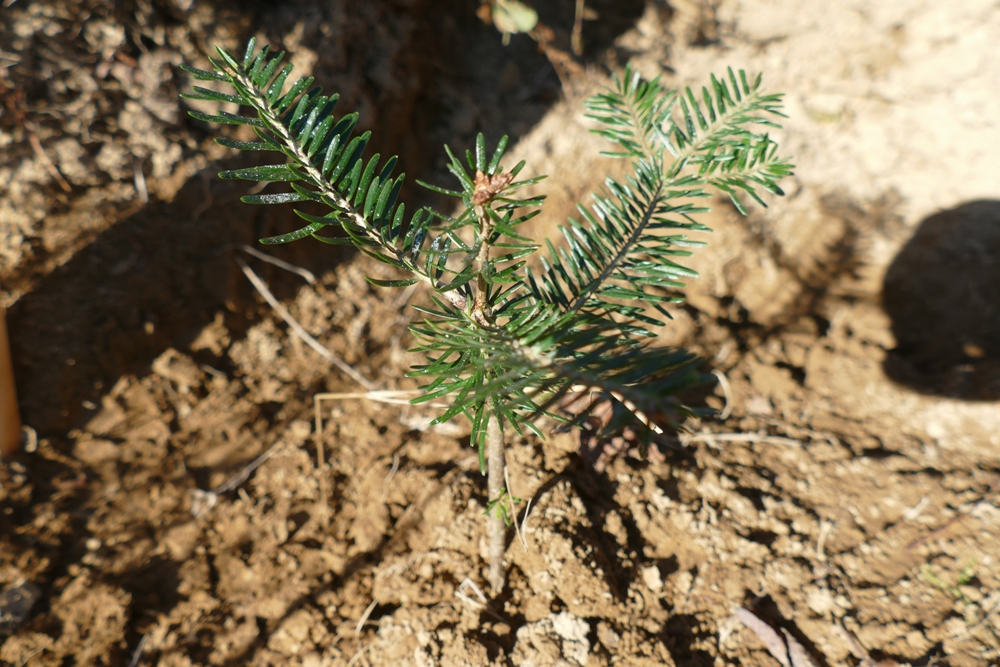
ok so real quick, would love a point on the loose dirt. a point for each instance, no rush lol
(179, 509)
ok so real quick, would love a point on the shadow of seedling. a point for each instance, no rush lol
(942, 293)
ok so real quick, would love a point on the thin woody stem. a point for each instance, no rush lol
(480, 308)
(496, 530)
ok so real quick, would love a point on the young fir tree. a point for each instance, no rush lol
(504, 344)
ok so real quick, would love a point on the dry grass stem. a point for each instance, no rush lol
(513, 510)
(466, 585)
(364, 619)
(206, 188)
(300, 331)
(632, 407)
(395, 396)
(712, 439)
(137, 655)
(727, 392)
(524, 522)
(306, 274)
(359, 655)
(393, 470)
(963, 513)
(203, 501)
(140, 181)
(576, 39)
(857, 649)
(392, 396)
(244, 474)
(388, 478)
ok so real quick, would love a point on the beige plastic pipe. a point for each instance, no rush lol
(10, 420)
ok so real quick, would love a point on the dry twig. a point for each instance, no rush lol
(14, 100)
(576, 39)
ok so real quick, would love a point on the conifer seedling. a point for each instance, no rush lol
(504, 344)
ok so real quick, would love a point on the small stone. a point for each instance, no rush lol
(820, 601)
(606, 635)
(651, 577)
(15, 606)
(92, 452)
(570, 627)
(180, 540)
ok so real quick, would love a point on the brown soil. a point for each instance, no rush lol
(854, 484)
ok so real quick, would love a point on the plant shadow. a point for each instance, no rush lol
(942, 293)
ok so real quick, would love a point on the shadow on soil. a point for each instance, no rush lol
(942, 293)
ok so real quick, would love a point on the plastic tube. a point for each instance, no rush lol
(10, 420)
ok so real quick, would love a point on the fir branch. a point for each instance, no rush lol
(633, 115)
(500, 339)
(319, 158)
(729, 110)
(622, 251)
(712, 134)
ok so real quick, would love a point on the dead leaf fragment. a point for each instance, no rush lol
(797, 652)
(772, 641)
(788, 651)
(510, 16)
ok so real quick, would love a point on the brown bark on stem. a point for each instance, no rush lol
(10, 420)
(496, 530)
